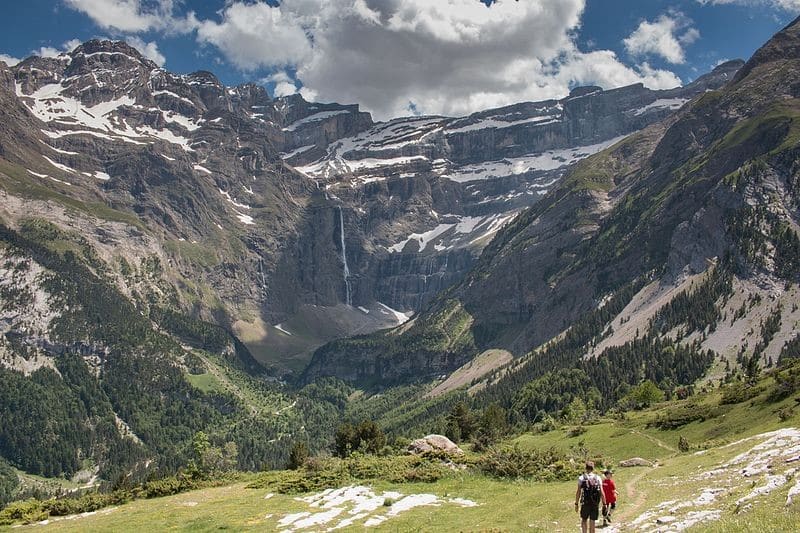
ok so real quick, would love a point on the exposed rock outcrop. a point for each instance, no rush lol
(431, 443)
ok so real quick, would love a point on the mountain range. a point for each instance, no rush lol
(174, 251)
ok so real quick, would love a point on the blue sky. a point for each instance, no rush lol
(392, 56)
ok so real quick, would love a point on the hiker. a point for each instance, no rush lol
(610, 495)
(588, 497)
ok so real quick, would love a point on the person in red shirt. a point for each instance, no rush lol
(610, 496)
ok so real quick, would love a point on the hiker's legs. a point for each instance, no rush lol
(591, 526)
(584, 524)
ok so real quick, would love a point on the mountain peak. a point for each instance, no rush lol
(784, 45)
(104, 47)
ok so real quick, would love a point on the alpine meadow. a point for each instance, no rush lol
(543, 274)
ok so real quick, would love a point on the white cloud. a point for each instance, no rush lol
(257, 35)
(50, 51)
(792, 6)
(147, 49)
(9, 60)
(665, 37)
(446, 56)
(133, 16)
(284, 84)
(71, 45)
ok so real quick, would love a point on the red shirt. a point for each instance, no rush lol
(608, 490)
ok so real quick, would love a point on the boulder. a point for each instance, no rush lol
(636, 461)
(434, 443)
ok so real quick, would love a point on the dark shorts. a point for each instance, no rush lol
(590, 512)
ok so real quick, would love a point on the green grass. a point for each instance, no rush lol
(781, 115)
(610, 440)
(195, 253)
(205, 382)
(516, 505)
(17, 181)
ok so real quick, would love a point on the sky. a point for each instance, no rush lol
(401, 57)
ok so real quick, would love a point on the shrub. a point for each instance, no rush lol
(680, 416)
(27, 512)
(34, 510)
(575, 431)
(366, 437)
(785, 413)
(738, 392)
(166, 487)
(298, 455)
(541, 465)
(548, 423)
(787, 380)
(334, 472)
(644, 395)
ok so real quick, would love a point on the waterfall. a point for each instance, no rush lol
(348, 288)
(263, 277)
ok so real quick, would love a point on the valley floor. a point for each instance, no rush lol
(745, 476)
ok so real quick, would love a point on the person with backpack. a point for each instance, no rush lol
(588, 497)
(610, 494)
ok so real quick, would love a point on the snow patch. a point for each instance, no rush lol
(232, 201)
(173, 95)
(423, 239)
(500, 124)
(662, 103)
(402, 318)
(244, 219)
(546, 161)
(316, 117)
(280, 327)
(59, 166)
(31, 172)
(298, 151)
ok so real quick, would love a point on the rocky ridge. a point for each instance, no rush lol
(713, 184)
(258, 204)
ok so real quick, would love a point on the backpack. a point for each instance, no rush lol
(591, 490)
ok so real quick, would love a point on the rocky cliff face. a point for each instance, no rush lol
(444, 186)
(259, 205)
(663, 204)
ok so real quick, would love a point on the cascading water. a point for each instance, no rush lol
(348, 288)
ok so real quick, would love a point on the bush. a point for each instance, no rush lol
(365, 437)
(298, 455)
(334, 472)
(27, 512)
(644, 395)
(540, 465)
(785, 413)
(787, 380)
(682, 415)
(548, 423)
(575, 431)
(738, 392)
(166, 487)
(34, 510)
(9, 483)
